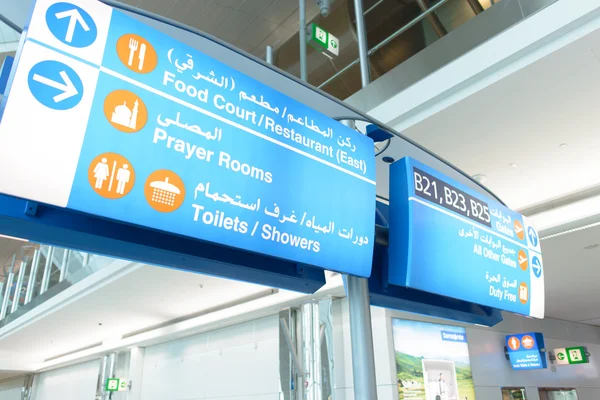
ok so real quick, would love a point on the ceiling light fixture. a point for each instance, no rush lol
(563, 145)
(581, 228)
(480, 178)
(512, 164)
(561, 215)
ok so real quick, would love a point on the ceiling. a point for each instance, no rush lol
(512, 131)
(250, 25)
(146, 298)
(535, 137)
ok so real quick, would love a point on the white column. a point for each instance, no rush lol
(136, 369)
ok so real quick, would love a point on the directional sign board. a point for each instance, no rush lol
(116, 385)
(110, 117)
(448, 239)
(112, 385)
(525, 351)
(571, 355)
(324, 41)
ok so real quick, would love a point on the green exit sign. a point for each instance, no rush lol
(116, 385)
(571, 355)
(324, 41)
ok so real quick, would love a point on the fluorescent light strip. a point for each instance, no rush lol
(13, 238)
(558, 216)
(570, 231)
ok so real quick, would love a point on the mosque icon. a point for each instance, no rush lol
(125, 116)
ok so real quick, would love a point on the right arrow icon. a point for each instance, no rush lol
(55, 85)
(66, 87)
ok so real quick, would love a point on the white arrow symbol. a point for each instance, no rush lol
(532, 236)
(536, 266)
(68, 89)
(75, 18)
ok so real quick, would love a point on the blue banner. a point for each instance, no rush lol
(157, 134)
(448, 336)
(448, 239)
(525, 351)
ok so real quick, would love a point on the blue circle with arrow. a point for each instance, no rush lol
(71, 24)
(536, 266)
(533, 237)
(55, 85)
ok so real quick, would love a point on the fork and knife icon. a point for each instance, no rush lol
(134, 45)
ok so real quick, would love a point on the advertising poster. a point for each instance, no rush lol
(432, 361)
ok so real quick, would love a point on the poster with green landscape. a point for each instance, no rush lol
(432, 361)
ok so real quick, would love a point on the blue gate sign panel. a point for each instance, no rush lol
(448, 239)
(525, 351)
(110, 117)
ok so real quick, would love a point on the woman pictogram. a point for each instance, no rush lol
(101, 172)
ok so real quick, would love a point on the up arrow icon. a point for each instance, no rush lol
(75, 18)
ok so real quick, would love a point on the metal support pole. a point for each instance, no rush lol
(302, 33)
(32, 276)
(9, 281)
(102, 378)
(27, 386)
(433, 18)
(47, 270)
(311, 352)
(361, 336)
(64, 265)
(86, 260)
(110, 370)
(363, 47)
(18, 287)
(269, 56)
(476, 6)
(385, 41)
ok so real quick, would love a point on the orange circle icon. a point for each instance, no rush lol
(111, 175)
(514, 343)
(523, 263)
(136, 53)
(528, 342)
(523, 293)
(164, 190)
(519, 229)
(125, 111)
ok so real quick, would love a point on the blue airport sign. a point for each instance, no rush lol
(526, 351)
(134, 126)
(450, 240)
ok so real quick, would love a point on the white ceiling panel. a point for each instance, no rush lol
(255, 7)
(233, 26)
(211, 17)
(188, 11)
(258, 31)
(230, 3)
(279, 10)
(160, 7)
